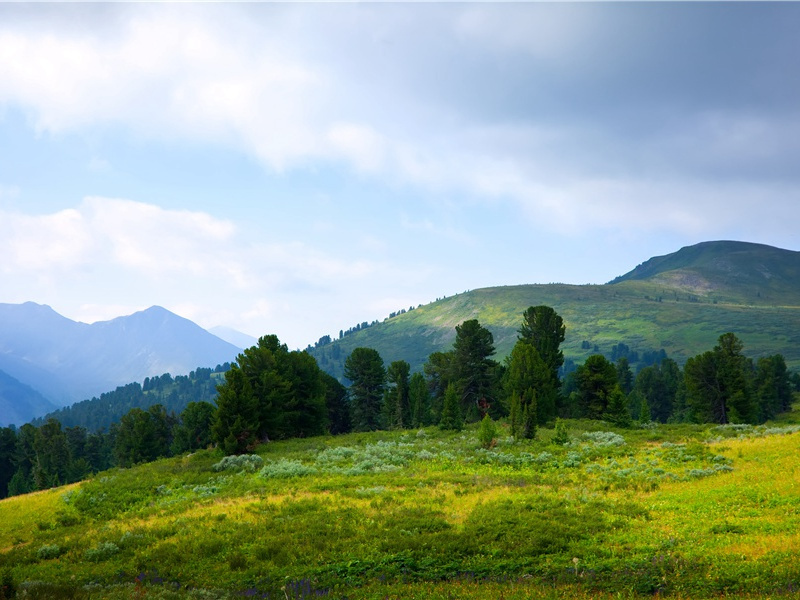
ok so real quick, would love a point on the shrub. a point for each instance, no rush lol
(561, 436)
(604, 438)
(239, 462)
(48, 551)
(102, 551)
(286, 469)
(487, 434)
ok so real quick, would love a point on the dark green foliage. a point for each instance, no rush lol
(274, 394)
(529, 377)
(194, 430)
(515, 416)
(659, 384)
(772, 387)
(718, 384)
(529, 411)
(50, 469)
(544, 329)
(595, 380)
(364, 368)
(624, 375)
(8, 589)
(617, 410)
(338, 407)
(143, 436)
(420, 401)
(236, 425)
(451, 410)
(173, 393)
(439, 373)
(8, 444)
(474, 373)
(397, 408)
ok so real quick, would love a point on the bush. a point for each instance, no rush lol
(487, 434)
(239, 462)
(48, 551)
(286, 469)
(103, 551)
(561, 436)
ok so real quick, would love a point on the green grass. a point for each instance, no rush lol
(686, 511)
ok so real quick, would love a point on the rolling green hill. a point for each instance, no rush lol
(680, 303)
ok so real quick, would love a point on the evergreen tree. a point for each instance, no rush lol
(194, 430)
(451, 411)
(772, 386)
(617, 409)
(718, 384)
(420, 401)
(338, 407)
(397, 408)
(8, 444)
(364, 368)
(595, 380)
(541, 334)
(51, 466)
(236, 424)
(529, 412)
(474, 372)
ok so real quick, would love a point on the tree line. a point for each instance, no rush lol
(272, 393)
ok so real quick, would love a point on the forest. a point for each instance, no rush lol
(272, 393)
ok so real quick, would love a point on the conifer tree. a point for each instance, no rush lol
(451, 411)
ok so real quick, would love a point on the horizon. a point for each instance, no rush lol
(297, 169)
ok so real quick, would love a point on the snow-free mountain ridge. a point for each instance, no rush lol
(65, 361)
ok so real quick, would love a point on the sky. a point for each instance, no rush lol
(298, 168)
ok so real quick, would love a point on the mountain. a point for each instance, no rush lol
(678, 304)
(237, 338)
(20, 403)
(66, 361)
(735, 271)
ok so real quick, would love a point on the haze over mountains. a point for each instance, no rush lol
(47, 360)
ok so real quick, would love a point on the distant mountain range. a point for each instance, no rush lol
(48, 361)
(678, 304)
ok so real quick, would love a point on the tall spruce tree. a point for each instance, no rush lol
(367, 374)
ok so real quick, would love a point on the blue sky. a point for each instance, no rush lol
(299, 168)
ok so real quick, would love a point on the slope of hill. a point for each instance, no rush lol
(684, 511)
(726, 271)
(66, 361)
(680, 303)
(20, 403)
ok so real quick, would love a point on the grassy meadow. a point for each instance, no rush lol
(678, 510)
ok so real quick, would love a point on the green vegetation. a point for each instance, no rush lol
(680, 305)
(686, 511)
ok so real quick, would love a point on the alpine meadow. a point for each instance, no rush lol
(400, 300)
(537, 472)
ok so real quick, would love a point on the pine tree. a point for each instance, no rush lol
(487, 434)
(529, 414)
(617, 409)
(451, 411)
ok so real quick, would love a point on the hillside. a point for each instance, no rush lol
(20, 403)
(679, 303)
(66, 361)
(683, 511)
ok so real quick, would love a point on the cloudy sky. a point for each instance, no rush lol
(299, 168)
